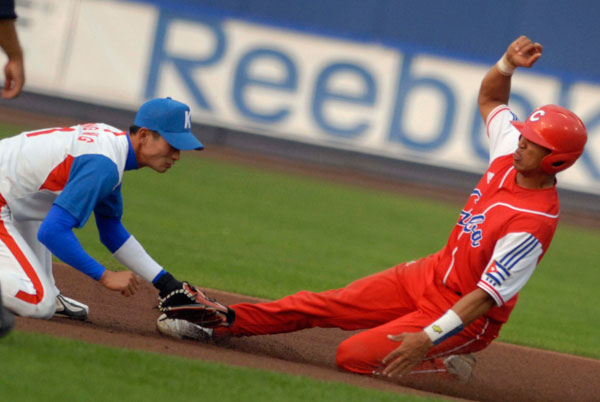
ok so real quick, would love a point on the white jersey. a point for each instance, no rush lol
(35, 166)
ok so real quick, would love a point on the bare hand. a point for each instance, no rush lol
(124, 281)
(409, 354)
(14, 78)
(523, 52)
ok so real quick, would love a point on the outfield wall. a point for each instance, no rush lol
(377, 98)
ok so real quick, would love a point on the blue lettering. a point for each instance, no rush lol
(470, 224)
(464, 216)
(244, 81)
(184, 66)
(406, 84)
(323, 94)
(476, 237)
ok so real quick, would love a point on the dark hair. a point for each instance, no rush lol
(133, 130)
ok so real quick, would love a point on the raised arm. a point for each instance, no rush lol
(495, 87)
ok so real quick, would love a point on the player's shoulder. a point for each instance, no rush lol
(500, 113)
(98, 128)
(101, 134)
(99, 138)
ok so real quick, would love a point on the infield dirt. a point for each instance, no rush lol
(503, 372)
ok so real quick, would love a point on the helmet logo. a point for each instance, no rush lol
(535, 116)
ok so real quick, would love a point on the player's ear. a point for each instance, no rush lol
(143, 135)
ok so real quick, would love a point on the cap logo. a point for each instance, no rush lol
(188, 119)
(535, 116)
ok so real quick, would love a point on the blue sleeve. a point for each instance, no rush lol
(111, 205)
(112, 232)
(56, 233)
(92, 178)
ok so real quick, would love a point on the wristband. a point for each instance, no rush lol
(444, 327)
(133, 256)
(505, 67)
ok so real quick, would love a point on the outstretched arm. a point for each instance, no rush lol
(495, 87)
(56, 233)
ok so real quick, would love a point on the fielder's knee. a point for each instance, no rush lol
(45, 309)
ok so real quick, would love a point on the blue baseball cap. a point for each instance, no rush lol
(172, 120)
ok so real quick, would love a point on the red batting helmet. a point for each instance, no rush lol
(557, 129)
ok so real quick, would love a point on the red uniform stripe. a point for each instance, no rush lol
(49, 131)
(117, 133)
(490, 289)
(58, 177)
(12, 245)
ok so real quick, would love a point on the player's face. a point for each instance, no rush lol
(155, 152)
(527, 159)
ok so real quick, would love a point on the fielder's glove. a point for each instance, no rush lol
(191, 304)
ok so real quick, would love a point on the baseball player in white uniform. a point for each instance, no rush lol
(51, 180)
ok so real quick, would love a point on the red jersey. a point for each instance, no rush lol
(503, 231)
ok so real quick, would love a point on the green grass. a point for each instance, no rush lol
(269, 234)
(43, 368)
(9, 129)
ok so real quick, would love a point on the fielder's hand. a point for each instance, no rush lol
(124, 281)
(191, 304)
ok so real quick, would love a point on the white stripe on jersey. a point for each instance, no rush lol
(530, 211)
(512, 264)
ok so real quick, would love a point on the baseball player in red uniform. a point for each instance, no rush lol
(420, 315)
(51, 181)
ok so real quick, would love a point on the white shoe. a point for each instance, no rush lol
(182, 329)
(461, 366)
(67, 307)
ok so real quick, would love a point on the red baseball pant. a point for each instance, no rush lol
(404, 298)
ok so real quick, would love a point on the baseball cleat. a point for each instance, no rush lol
(461, 366)
(69, 308)
(182, 329)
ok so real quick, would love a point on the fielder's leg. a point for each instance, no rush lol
(65, 306)
(26, 289)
